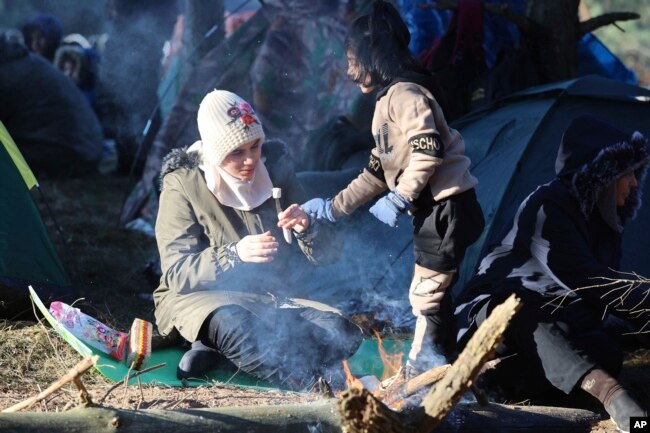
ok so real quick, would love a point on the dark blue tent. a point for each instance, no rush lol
(513, 145)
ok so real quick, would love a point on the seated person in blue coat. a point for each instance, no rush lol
(560, 258)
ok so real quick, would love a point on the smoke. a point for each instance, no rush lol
(130, 68)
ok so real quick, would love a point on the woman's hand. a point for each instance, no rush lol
(257, 248)
(293, 217)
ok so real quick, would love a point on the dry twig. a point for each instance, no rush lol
(72, 375)
(619, 290)
(127, 378)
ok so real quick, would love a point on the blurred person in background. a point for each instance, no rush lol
(42, 35)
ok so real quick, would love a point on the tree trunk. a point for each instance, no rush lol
(200, 18)
(321, 416)
(556, 33)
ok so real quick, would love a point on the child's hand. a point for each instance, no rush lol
(319, 209)
(295, 218)
(389, 208)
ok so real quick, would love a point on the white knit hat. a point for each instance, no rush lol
(226, 122)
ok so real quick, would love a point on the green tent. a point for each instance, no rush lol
(27, 255)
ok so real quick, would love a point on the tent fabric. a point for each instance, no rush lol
(596, 58)
(513, 145)
(27, 254)
(17, 157)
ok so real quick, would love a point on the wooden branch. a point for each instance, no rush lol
(361, 412)
(398, 391)
(77, 371)
(504, 10)
(288, 419)
(604, 20)
(82, 395)
(464, 370)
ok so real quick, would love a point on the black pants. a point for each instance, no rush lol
(288, 347)
(553, 347)
(444, 230)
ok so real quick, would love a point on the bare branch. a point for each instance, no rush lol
(70, 376)
(618, 291)
(606, 19)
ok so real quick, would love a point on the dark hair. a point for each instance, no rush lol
(378, 42)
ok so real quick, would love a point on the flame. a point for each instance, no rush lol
(350, 380)
(391, 361)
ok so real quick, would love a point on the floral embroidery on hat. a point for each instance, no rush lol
(245, 107)
(248, 118)
(242, 111)
(234, 112)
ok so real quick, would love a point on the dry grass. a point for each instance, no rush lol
(32, 356)
(107, 267)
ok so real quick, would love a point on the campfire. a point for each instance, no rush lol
(392, 388)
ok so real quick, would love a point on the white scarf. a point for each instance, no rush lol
(238, 194)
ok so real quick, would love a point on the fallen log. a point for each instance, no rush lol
(321, 416)
(363, 413)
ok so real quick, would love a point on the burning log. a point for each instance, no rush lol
(361, 412)
(461, 375)
(399, 390)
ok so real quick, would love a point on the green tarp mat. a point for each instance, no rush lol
(366, 361)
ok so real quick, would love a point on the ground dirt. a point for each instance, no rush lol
(107, 264)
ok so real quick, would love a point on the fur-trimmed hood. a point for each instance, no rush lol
(593, 154)
(191, 157)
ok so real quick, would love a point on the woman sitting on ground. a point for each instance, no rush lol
(228, 275)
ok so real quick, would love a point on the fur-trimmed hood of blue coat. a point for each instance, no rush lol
(593, 154)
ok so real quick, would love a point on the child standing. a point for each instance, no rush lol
(421, 162)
